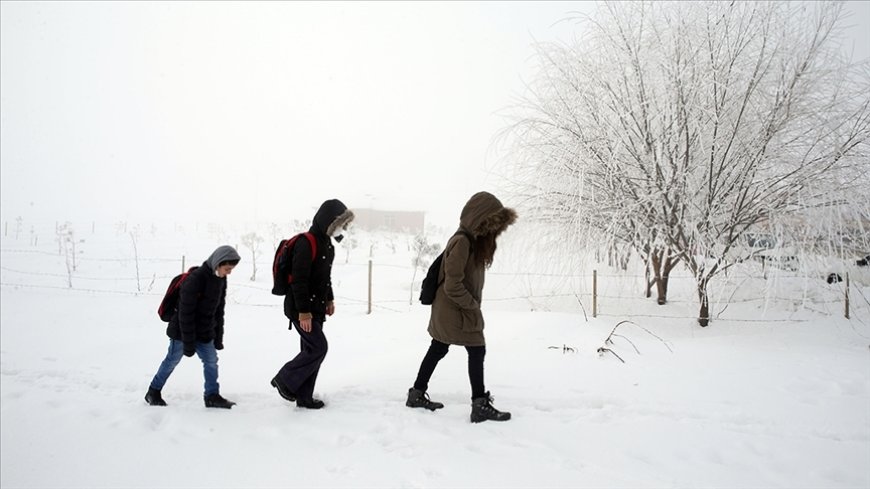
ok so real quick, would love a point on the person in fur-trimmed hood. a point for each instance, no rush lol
(308, 303)
(456, 318)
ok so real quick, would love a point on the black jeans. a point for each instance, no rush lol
(437, 351)
(300, 374)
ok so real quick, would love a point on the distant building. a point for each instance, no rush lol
(397, 221)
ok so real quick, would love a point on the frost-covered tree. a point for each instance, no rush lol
(422, 253)
(252, 241)
(66, 242)
(349, 244)
(678, 127)
(134, 237)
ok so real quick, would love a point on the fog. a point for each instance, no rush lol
(226, 111)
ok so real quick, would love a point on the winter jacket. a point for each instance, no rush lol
(311, 288)
(200, 314)
(456, 317)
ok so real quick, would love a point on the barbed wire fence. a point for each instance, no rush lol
(378, 286)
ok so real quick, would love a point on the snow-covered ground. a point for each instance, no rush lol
(773, 394)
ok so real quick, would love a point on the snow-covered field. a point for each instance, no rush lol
(773, 394)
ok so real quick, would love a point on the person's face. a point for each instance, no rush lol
(225, 270)
(338, 231)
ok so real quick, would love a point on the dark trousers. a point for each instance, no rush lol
(437, 351)
(300, 374)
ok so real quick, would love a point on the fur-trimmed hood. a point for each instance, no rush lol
(484, 214)
(332, 218)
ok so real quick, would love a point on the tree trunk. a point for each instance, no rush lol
(656, 262)
(254, 261)
(662, 266)
(649, 283)
(623, 261)
(413, 277)
(704, 314)
(663, 288)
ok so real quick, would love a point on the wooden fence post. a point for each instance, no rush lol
(594, 293)
(370, 286)
(847, 295)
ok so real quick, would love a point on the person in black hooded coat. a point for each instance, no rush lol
(197, 326)
(308, 303)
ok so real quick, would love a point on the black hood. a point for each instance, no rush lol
(331, 218)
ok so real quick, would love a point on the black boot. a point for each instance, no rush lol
(283, 391)
(419, 399)
(482, 410)
(310, 403)
(153, 397)
(216, 401)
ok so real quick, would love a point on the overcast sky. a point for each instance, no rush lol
(259, 111)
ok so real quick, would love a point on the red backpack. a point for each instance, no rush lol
(281, 276)
(169, 304)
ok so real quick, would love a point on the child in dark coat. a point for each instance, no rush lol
(197, 326)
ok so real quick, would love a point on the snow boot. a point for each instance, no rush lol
(283, 391)
(310, 403)
(419, 399)
(216, 401)
(482, 410)
(153, 397)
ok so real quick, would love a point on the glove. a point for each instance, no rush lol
(218, 345)
(189, 349)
